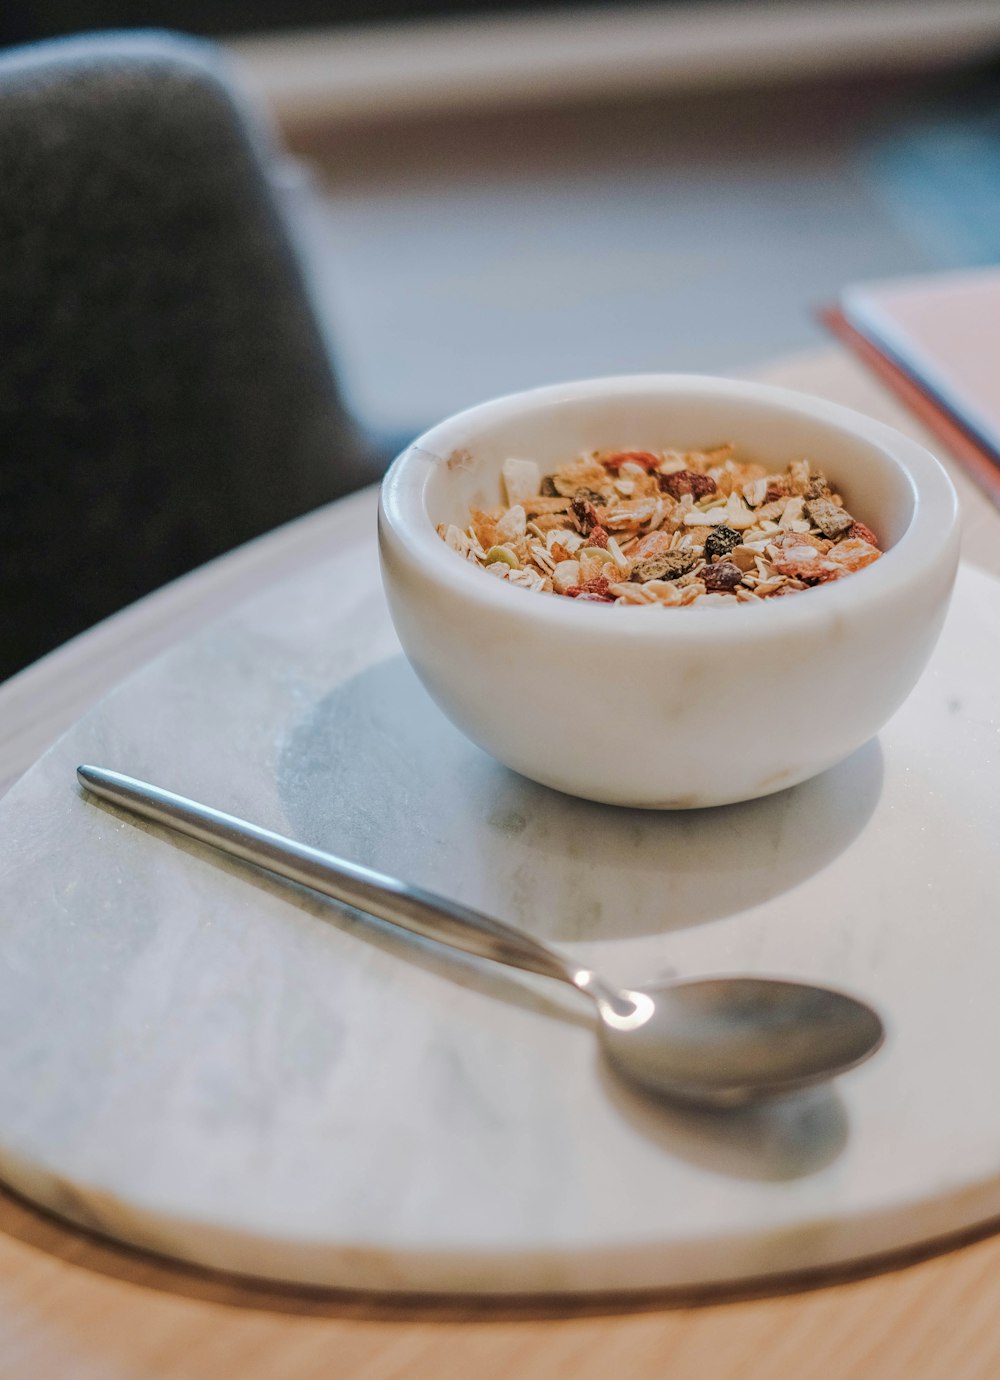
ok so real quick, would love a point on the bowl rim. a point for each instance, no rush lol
(928, 535)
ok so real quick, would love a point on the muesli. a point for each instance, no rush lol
(669, 528)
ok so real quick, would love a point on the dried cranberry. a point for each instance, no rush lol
(859, 531)
(595, 590)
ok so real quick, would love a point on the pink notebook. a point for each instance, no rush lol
(937, 341)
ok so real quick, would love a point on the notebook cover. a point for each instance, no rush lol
(936, 343)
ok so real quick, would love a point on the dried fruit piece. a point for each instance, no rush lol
(512, 526)
(812, 569)
(853, 554)
(521, 479)
(585, 514)
(724, 575)
(596, 588)
(680, 482)
(789, 541)
(653, 544)
(860, 532)
(720, 541)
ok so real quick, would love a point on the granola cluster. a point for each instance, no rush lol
(671, 528)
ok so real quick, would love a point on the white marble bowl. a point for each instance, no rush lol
(668, 708)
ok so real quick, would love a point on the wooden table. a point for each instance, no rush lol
(73, 1307)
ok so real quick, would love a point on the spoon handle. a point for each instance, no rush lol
(410, 907)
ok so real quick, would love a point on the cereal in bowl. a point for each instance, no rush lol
(666, 528)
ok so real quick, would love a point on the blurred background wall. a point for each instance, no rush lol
(494, 195)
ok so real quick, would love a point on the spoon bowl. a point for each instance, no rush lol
(715, 1042)
(728, 1041)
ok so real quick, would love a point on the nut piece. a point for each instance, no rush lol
(512, 526)
(745, 557)
(824, 514)
(566, 575)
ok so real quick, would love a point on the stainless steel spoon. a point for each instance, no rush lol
(720, 1042)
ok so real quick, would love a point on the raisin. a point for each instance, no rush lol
(686, 482)
(669, 565)
(720, 541)
(585, 514)
(548, 487)
(724, 575)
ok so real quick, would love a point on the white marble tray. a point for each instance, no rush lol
(221, 1068)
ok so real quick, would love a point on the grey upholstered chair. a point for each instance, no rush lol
(165, 390)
